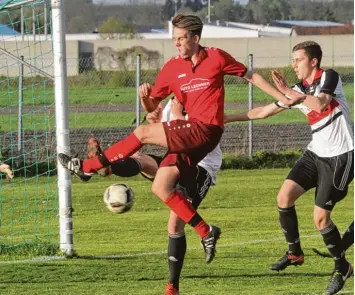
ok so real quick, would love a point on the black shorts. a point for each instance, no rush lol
(194, 184)
(330, 176)
(195, 188)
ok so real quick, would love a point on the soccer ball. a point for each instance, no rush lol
(119, 198)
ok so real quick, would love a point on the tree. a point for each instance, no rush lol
(194, 5)
(168, 10)
(113, 28)
(264, 11)
(85, 10)
(227, 10)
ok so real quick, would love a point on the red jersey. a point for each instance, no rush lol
(199, 88)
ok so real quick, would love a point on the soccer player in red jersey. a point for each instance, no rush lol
(196, 77)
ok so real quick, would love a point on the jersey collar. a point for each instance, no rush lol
(201, 55)
(317, 76)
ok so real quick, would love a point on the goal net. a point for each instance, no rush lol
(29, 203)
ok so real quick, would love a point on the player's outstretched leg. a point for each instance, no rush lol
(337, 280)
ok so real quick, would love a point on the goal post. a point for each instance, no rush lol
(34, 127)
(62, 124)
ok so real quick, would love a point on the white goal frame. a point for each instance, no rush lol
(62, 117)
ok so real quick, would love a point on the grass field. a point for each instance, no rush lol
(39, 95)
(100, 120)
(126, 254)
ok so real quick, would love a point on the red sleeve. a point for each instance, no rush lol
(162, 87)
(230, 66)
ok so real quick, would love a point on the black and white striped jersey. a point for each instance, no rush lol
(332, 129)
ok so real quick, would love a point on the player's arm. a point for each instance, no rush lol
(256, 113)
(232, 67)
(149, 102)
(317, 103)
(265, 86)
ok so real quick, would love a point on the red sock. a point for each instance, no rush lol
(182, 208)
(118, 151)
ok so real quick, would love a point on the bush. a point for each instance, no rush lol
(261, 160)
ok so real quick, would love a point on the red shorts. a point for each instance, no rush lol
(189, 142)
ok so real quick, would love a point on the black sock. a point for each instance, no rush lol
(348, 237)
(126, 168)
(332, 240)
(176, 255)
(289, 225)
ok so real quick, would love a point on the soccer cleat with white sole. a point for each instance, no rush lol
(209, 243)
(74, 166)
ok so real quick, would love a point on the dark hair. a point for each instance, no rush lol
(312, 50)
(191, 23)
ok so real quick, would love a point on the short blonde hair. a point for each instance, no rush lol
(191, 23)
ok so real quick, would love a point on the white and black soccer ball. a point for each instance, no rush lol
(119, 198)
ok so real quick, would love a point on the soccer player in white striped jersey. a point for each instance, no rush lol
(327, 164)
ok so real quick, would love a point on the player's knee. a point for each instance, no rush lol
(139, 132)
(321, 219)
(157, 190)
(175, 225)
(175, 228)
(284, 201)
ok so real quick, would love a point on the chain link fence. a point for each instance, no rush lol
(103, 104)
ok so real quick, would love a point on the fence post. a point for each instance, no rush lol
(250, 123)
(138, 82)
(20, 102)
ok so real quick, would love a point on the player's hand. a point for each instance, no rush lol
(156, 115)
(177, 110)
(144, 91)
(4, 168)
(279, 81)
(296, 100)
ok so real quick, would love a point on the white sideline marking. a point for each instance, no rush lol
(53, 258)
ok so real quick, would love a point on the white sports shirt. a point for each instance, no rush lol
(332, 129)
(213, 161)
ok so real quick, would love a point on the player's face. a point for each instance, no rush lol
(184, 42)
(302, 65)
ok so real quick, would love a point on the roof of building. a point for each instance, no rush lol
(337, 30)
(304, 23)
(5, 30)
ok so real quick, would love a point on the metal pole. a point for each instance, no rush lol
(62, 126)
(34, 23)
(250, 123)
(20, 102)
(22, 24)
(138, 83)
(209, 11)
(45, 17)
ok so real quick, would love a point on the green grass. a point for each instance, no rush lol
(125, 95)
(243, 203)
